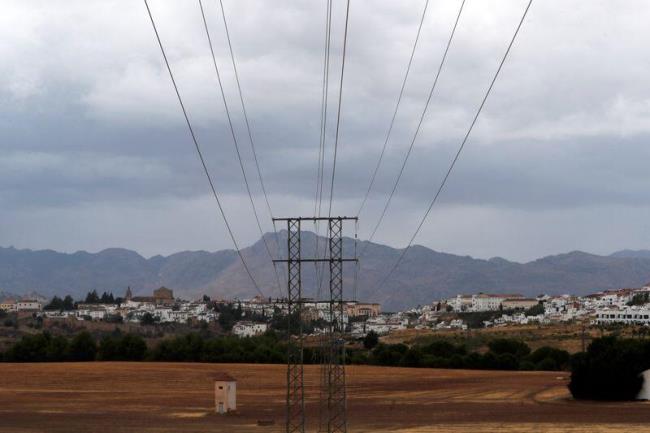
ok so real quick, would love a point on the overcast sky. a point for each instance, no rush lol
(94, 152)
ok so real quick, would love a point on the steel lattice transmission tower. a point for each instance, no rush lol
(333, 373)
(336, 397)
(295, 374)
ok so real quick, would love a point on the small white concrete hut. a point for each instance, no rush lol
(225, 393)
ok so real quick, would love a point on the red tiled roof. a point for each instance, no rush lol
(223, 377)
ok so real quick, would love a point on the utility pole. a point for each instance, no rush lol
(333, 391)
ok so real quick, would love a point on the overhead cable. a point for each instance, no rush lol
(460, 149)
(418, 128)
(200, 154)
(237, 150)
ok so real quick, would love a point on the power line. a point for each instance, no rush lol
(338, 115)
(234, 138)
(248, 129)
(460, 149)
(200, 154)
(323, 117)
(321, 148)
(417, 130)
(392, 121)
(243, 106)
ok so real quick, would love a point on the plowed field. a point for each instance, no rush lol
(159, 397)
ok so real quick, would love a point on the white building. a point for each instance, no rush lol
(8, 305)
(460, 303)
(382, 324)
(166, 315)
(28, 305)
(490, 302)
(628, 316)
(59, 314)
(249, 329)
(95, 313)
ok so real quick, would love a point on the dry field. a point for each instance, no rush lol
(158, 397)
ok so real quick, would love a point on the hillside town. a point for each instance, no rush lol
(627, 306)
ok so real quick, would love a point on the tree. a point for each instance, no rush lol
(412, 358)
(57, 349)
(56, 304)
(147, 319)
(83, 347)
(535, 311)
(388, 354)
(506, 361)
(228, 315)
(549, 359)
(132, 348)
(128, 347)
(107, 298)
(92, 297)
(443, 349)
(30, 348)
(517, 348)
(113, 318)
(610, 369)
(640, 299)
(370, 340)
(68, 303)
(108, 349)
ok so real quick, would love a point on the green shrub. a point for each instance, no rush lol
(526, 366)
(370, 340)
(83, 347)
(506, 361)
(443, 348)
(549, 359)
(411, 358)
(516, 348)
(610, 369)
(388, 354)
(547, 364)
(358, 357)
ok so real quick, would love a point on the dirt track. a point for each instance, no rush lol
(157, 397)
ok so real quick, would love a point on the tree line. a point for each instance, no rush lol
(503, 354)
(68, 303)
(118, 346)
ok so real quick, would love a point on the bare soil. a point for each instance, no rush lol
(168, 397)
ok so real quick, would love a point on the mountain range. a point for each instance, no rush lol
(424, 275)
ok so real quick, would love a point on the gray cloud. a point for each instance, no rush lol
(94, 151)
